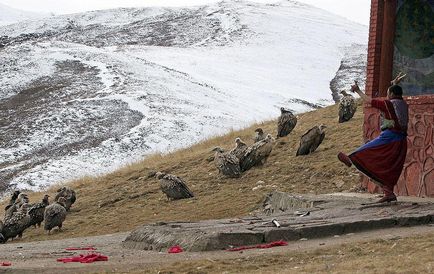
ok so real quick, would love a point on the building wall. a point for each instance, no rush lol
(417, 178)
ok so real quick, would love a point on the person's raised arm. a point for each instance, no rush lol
(398, 79)
(355, 88)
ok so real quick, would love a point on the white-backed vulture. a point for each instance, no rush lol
(286, 122)
(68, 194)
(257, 154)
(347, 107)
(239, 149)
(13, 198)
(16, 224)
(227, 163)
(174, 187)
(19, 201)
(310, 141)
(55, 215)
(36, 211)
(2, 238)
(259, 135)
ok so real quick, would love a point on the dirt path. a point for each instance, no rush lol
(40, 257)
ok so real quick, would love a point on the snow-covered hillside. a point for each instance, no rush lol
(10, 15)
(85, 93)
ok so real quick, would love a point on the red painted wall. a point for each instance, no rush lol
(417, 179)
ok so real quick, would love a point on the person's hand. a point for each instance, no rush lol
(398, 78)
(355, 87)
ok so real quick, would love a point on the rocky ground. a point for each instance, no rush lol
(41, 257)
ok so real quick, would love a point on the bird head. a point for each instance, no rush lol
(159, 175)
(22, 197)
(62, 201)
(283, 110)
(322, 127)
(239, 142)
(61, 189)
(259, 130)
(15, 194)
(269, 138)
(45, 199)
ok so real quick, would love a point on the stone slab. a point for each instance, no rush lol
(308, 216)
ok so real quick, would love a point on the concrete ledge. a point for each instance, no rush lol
(328, 216)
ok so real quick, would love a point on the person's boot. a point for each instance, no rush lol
(387, 199)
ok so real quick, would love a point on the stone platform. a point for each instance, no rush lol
(299, 217)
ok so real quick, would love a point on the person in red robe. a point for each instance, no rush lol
(382, 159)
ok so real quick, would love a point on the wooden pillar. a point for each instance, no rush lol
(387, 47)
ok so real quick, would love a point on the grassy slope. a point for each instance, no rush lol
(127, 198)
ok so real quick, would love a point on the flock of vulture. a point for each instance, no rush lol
(242, 157)
(20, 214)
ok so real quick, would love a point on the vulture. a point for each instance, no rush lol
(14, 197)
(2, 238)
(286, 122)
(36, 211)
(239, 149)
(347, 107)
(259, 135)
(68, 194)
(227, 163)
(16, 224)
(310, 141)
(19, 201)
(55, 215)
(173, 186)
(257, 154)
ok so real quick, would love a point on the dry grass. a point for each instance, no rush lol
(409, 255)
(122, 200)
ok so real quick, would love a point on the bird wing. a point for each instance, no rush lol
(317, 141)
(230, 158)
(239, 151)
(53, 210)
(72, 196)
(33, 207)
(183, 188)
(179, 185)
(307, 140)
(286, 124)
(230, 165)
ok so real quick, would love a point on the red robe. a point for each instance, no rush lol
(382, 159)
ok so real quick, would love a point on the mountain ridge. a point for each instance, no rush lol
(86, 93)
(9, 15)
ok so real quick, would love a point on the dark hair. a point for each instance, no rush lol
(396, 90)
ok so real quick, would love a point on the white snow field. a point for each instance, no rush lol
(10, 15)
(83, 94)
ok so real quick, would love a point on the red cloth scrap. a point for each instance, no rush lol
(80, 248)
(5, 263)
(175, 249)
(89, 258)
(269, 245)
